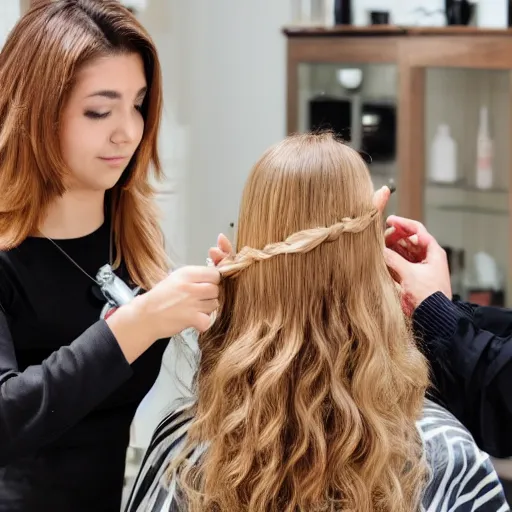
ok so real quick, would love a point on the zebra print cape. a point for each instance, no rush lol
(463, 478)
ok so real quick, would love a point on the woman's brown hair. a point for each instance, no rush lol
(310, 384)
(38, 65)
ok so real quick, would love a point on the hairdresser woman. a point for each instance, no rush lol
(80, 102)
(469, 347)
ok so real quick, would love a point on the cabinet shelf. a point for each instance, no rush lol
(388, 30)
(471, 210)
(464, 186)
(466, 199)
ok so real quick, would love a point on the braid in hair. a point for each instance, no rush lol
(300, 242)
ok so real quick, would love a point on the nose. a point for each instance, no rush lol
(128, 131)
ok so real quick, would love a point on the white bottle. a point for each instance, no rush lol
(484, 152)
(443, 159)
(312, 13)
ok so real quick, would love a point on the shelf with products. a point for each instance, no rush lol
(467, 145)
(467, 141)
(476, 249)
(429, 76)
(473, 225)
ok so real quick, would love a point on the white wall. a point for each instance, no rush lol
(236, 106)
(224, 72)
(9, 14)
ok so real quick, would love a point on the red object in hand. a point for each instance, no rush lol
(405, 243)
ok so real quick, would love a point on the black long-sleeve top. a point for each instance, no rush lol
(67, 394)
(470, 351)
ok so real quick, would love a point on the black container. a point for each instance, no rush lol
(343, 12)
(459, 12)
(379, 17)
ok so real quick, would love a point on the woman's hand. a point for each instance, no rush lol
(186, 298)
(223, 250)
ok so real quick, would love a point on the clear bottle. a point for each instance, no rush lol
(443, 158)
(484, 152)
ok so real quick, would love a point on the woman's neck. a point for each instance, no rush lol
(74, 215)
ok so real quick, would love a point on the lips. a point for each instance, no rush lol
(114, 160)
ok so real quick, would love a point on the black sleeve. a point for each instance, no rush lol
(42, 402)
(471, 366)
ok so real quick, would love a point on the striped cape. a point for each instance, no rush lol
(463, 478)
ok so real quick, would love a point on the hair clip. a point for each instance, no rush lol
(366, 157)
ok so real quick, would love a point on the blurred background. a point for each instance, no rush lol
(421, 87)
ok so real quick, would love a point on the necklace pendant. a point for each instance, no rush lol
(114, 289)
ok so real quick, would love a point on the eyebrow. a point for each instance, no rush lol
(115, 95)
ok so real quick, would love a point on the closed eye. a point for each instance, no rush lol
(91, 114)
(96, 115)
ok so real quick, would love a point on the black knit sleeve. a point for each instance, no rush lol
(471, 361)
(42, 402)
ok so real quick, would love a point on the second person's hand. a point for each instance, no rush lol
(421, 268)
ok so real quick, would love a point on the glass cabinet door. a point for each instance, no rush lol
(359, 103)
(466, 201)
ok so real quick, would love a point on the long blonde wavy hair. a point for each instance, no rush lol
(310, 383)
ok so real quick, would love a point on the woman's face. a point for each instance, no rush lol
(102, 124)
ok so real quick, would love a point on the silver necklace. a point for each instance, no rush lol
(110, 252)
(113, 288)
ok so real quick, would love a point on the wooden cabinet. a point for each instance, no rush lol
(424, 77)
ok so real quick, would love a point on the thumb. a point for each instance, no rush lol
(398, 264)
(202, 322)
(381, 198)
(224, 244)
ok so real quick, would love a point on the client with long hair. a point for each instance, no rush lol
(310, 391)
